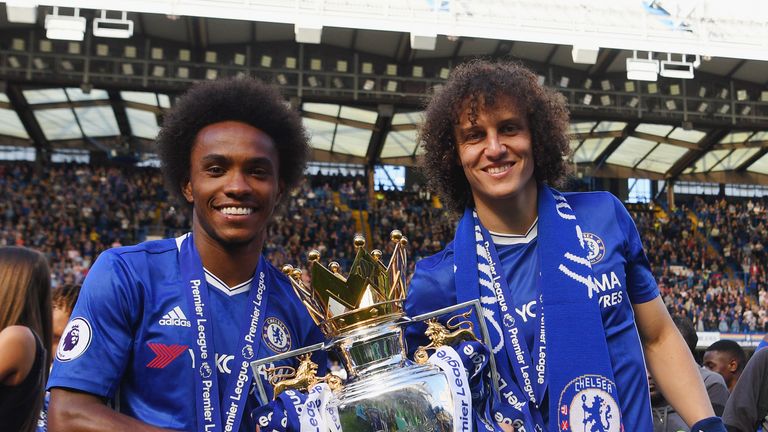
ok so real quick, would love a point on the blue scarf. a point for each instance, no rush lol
(570, 355)
(216, 414)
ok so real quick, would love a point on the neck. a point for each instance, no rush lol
(514, 215)
(233, 264)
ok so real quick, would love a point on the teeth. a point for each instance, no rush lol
(236, 210)
(499, 169)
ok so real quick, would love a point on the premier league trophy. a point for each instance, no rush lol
(362, 317)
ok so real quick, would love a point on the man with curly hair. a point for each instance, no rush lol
(167, 329)
(568, 296)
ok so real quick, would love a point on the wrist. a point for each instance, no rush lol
(711, 424)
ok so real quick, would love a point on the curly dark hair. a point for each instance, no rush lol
(490, 83)
(246, 100)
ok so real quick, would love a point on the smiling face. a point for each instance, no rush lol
(234, 184)
(496, 154)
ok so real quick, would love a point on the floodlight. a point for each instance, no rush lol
(210, 56)
(391, 86)
(185, 55)
(102, 50)
(290, 62)
(724, 94)
(313, 81)
(541, 79)
(20, 11)
(746, 110)
(182, 72)
(39, 63)
(564, 80)
(653, 88)
(587, 99)
(605, 100)
(634, 102)
(156, 53)
(308, 33)
(724, 109)
(444, 72)
(239, 59)
(65, 27)
(14, 62)
(671, 105)
(764, 96)
(702, 91)
(342, 66)
(742, 95)
(46, 46)
(18, 44)
(587, 83)
(281, 79)
(315, 64)
(426, 42)
(368, 85)
(73, 48)
(121, 28)
(127, 69)
(674, 90)
(158, 71)
(266, 61)
(584, 54)
(702, 107)
(67, 65)
(338, 83)
(642, 69)
(367, 68)
(605, 85)
(678, 69)
(129, 51)
(392, 69)
(629, 86)
(211, 74)
(417, 72)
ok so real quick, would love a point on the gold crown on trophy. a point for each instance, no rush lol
(370, 294)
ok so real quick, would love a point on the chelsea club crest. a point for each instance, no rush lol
(276, 335)
(595, 247)
(588, 403)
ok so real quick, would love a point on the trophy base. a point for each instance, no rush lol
(408, 398)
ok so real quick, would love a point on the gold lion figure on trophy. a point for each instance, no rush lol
(451, 333)
(304, 378)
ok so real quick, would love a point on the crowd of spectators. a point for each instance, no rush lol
(708, 255)
(709, 261)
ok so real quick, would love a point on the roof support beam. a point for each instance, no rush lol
(27, 117)
(118, 107)
(380, 131)
(600, 160)
(706, 144)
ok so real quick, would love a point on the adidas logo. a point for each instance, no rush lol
(175, 317)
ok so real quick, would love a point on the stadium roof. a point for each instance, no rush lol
(361, 89)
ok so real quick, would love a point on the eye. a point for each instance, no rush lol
(472, 136)
(215, 170)
(510, 128)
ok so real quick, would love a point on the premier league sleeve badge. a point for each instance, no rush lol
(588, 404)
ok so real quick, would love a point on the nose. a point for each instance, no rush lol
(237, 184)
(495, 148)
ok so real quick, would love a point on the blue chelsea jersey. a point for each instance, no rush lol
(130, 335)
(622, 276)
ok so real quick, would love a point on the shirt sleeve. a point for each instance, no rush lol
(97, 341)
(641, 285)
(748, 403)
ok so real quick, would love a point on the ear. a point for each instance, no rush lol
(280, 190)
(733, 365)
(186, 190)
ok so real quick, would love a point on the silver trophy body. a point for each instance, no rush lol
(362, 316)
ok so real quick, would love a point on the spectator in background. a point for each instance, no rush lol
(25, 332)
(727, 358)
(62, 302)
(747, 408)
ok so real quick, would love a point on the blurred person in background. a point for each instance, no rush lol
(25, 333)
(747, 408)
(727, 358)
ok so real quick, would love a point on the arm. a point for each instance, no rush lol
(671, 363)
(17, 354)
(748, 403)
(83, 412)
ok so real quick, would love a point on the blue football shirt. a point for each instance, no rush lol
(130, 334)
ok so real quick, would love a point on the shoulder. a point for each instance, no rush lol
(432, 283)
(17, 353)
(591, 199)
(147, 249)
(438, 261)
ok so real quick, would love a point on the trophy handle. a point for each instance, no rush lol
(256, 366)
(478, 310)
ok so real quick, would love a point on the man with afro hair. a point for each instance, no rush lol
(166, 329)
(571, 306)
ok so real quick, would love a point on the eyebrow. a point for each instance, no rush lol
(218, 158)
